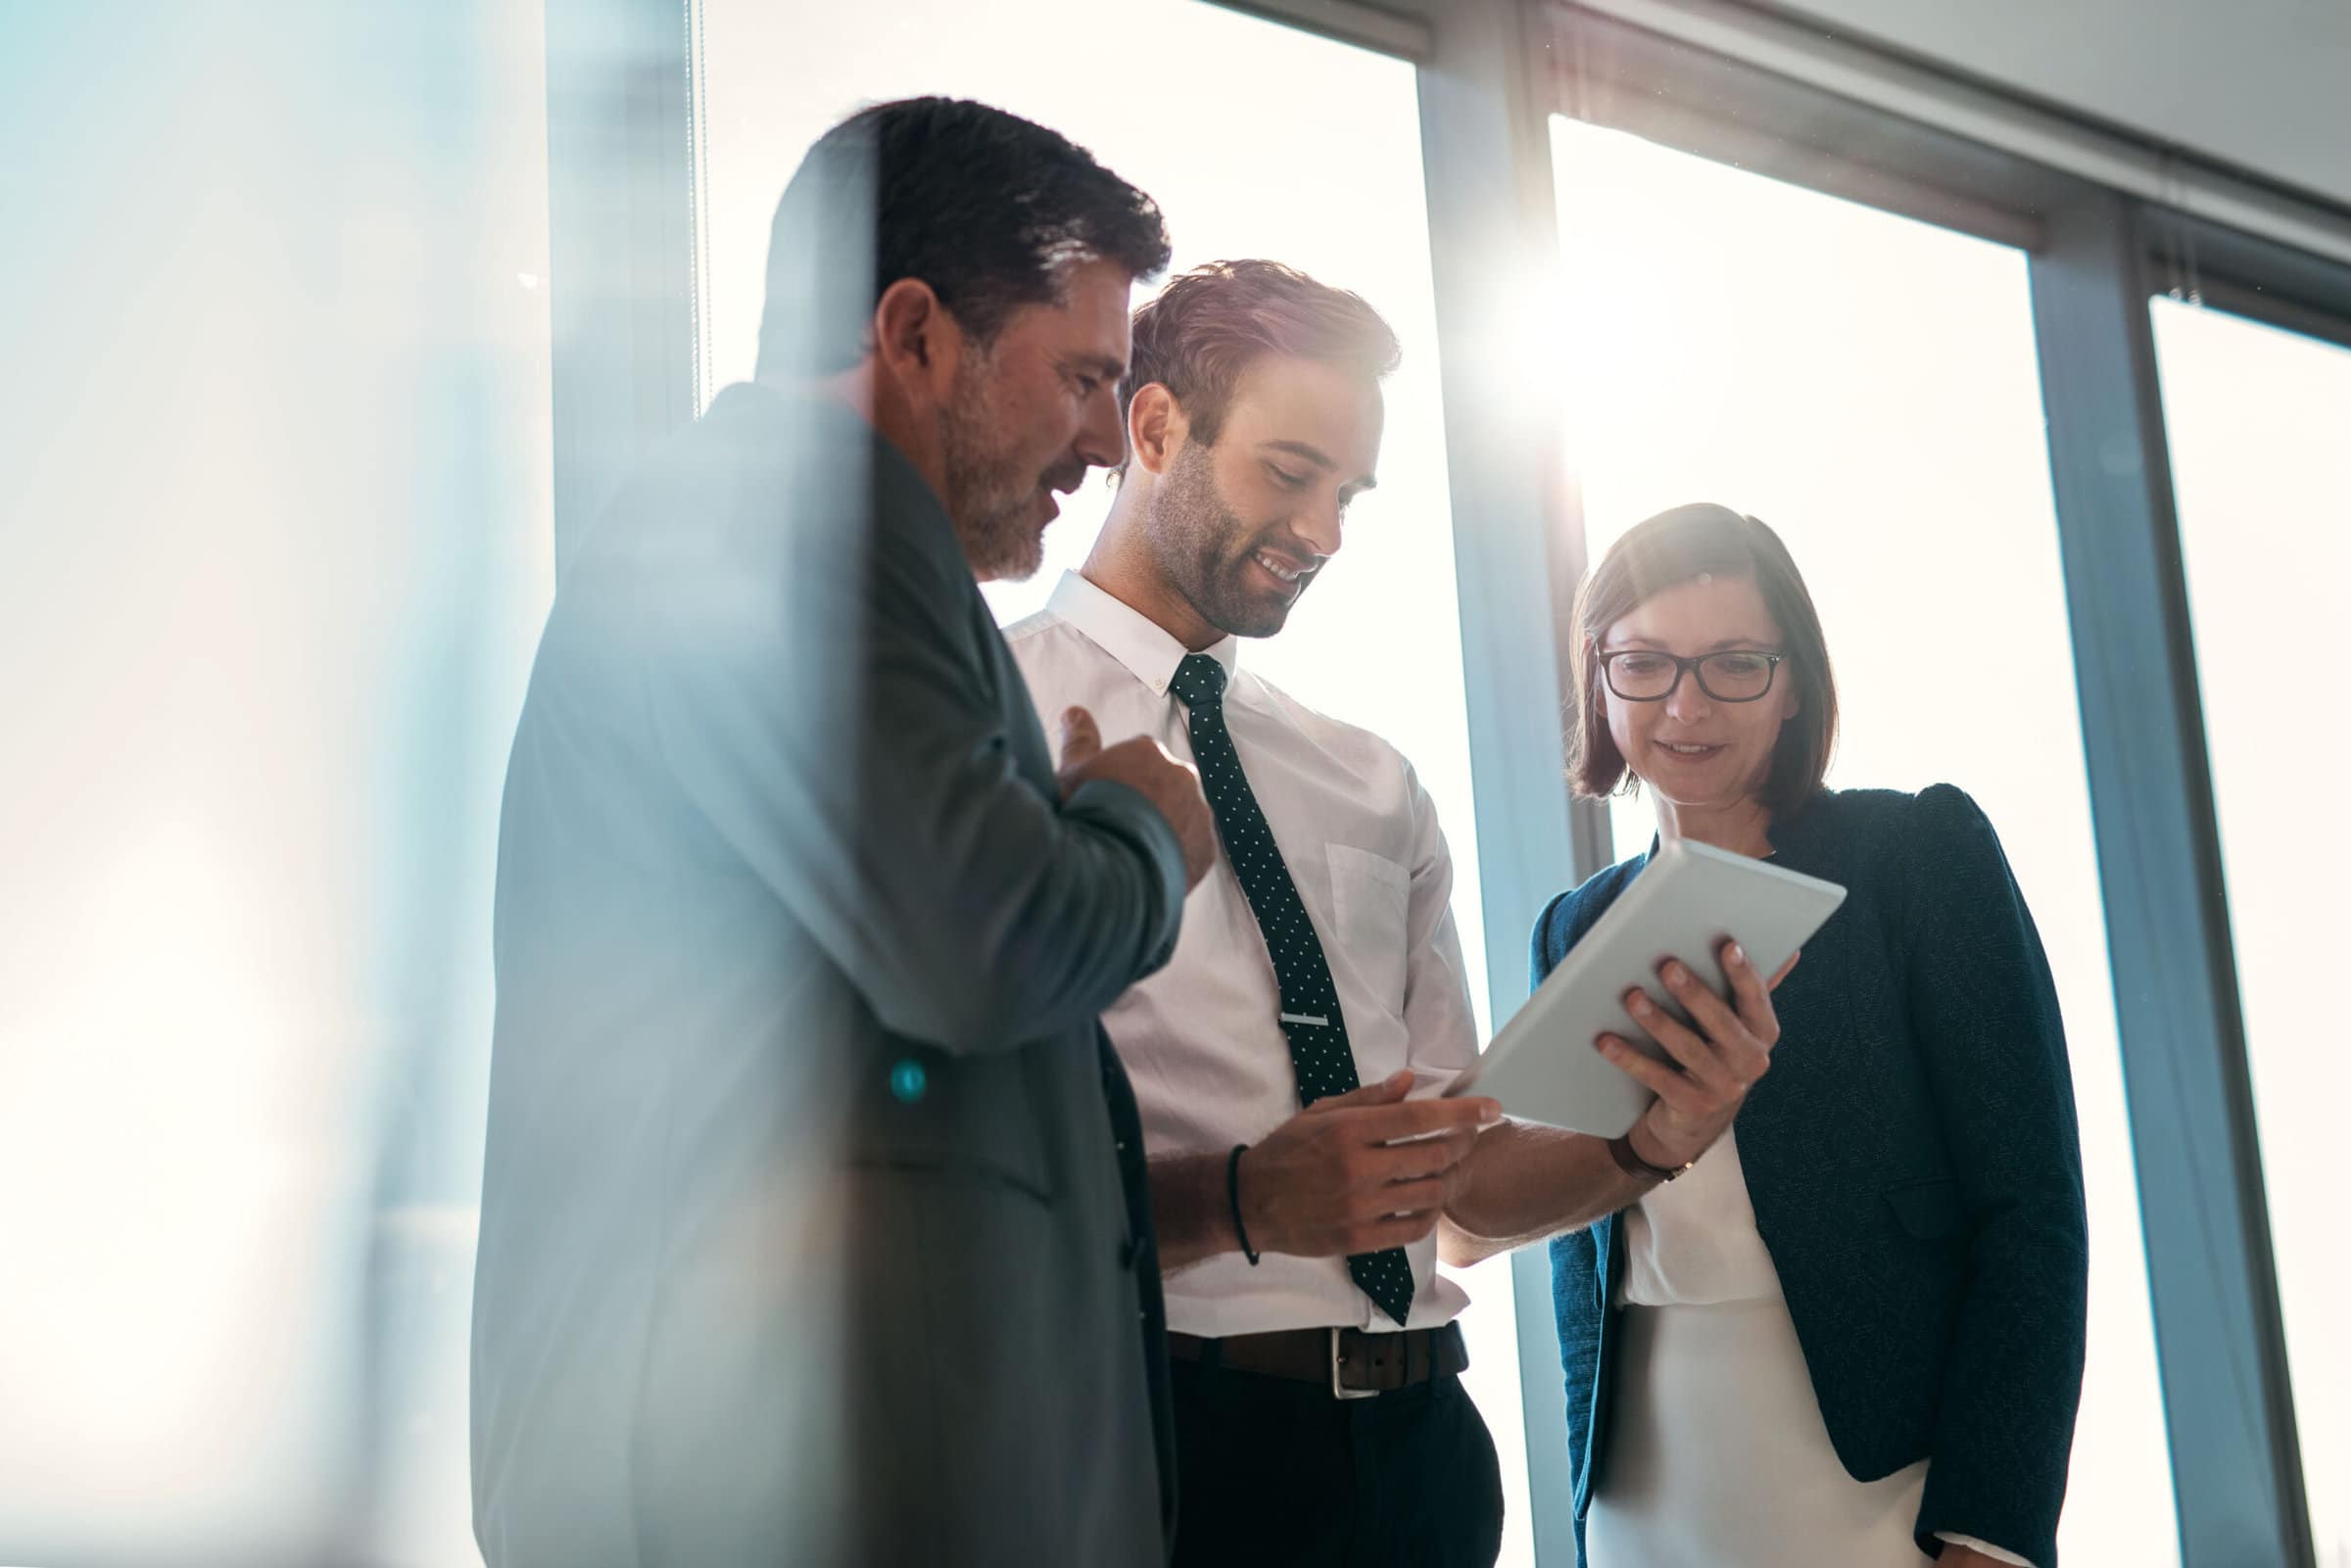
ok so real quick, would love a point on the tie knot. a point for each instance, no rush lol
(1199, 682)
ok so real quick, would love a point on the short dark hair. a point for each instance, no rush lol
(1673, 548)
(988, 209)
(1198, 334)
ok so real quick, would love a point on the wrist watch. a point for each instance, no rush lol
(1629, 1160)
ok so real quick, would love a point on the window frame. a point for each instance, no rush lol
(2096, 255)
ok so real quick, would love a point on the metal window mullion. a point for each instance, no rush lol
(1485, 147)
(2220, 1336)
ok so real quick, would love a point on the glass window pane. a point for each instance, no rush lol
(1273, 172)
(2256, 419)
(1867, 385)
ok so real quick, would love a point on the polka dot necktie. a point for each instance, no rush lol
(1310, 1004)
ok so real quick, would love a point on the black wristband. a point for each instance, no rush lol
(1629, 1160)
(1233, 1191)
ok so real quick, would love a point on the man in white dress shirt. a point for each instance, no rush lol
(1320, 1416)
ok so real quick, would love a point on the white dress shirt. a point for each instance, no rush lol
(1201, 1038)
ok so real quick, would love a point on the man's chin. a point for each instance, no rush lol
(1022, 570)
(1257, 612)
(1004, 547)
(1255, 618)
(1011, 562)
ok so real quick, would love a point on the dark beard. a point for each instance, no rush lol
(1203, 547)
(987, 498)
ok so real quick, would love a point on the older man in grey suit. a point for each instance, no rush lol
(813, 1220)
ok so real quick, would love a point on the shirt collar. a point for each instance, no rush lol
(1127, 635)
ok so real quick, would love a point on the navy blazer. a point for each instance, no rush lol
(1915, 1169)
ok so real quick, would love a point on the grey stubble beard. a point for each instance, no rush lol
(987, 498)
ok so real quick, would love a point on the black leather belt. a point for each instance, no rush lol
(1350, 1362)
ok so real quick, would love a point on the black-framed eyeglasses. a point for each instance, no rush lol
(1647, 674)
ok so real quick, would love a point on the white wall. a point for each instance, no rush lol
(2265, 84)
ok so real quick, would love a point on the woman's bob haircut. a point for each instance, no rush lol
(1674, 547)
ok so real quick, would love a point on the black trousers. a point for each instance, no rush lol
(1273, 1471)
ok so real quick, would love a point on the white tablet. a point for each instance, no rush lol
(1685, 904)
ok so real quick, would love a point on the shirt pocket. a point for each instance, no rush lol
(1369, 897)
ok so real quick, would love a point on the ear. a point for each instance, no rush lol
(917, 341)
(1156, 428)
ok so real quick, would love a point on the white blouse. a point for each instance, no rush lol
(1693, 1242)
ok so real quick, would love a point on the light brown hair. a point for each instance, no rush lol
(1198, 334)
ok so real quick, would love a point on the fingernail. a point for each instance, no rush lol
(1606, 1045)
(1675, 973)
(1738, 954)
(1490, 1114)
(1640, 1006)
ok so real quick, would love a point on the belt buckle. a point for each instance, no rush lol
(1339, 1390)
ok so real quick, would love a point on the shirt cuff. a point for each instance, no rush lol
(1984, 1547)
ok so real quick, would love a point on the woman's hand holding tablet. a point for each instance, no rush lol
(1687, 906)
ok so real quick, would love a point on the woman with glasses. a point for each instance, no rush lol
(1850, 1331)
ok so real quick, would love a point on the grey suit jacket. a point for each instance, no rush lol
(813, 1220)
